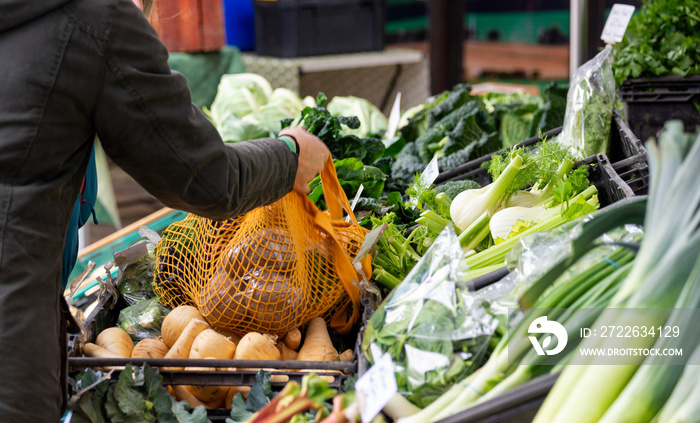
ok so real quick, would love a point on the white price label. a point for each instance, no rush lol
(616, 25)
(431, 172)
(357, 197)
(394, 117)
(355, 200)
(376, 387)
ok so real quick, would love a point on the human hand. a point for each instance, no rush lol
(313, 154)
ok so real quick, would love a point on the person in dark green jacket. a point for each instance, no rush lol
(72, 70)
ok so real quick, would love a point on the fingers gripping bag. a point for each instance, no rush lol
(270, 270)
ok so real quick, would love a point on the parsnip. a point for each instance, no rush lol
(181, 347)
(211, 344)
(93, 350)
(255, 346)
(317, 343)
(116, 339)
(176, 321)
(292, 339)
(149, 348)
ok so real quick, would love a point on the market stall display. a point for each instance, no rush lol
(480, 208)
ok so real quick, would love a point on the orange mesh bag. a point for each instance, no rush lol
(270, 270)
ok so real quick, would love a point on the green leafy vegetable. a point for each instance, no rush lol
(434, 332)
(246, 107)
(406, 166)
(329, 128)
(137, 395)
(372, 121)
(661, 40)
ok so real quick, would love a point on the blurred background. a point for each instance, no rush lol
(372, 49)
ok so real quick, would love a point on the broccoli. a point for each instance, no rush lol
(488, 143)
(406, 165)
(453, 188)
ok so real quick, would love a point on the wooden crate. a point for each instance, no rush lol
(190, 26)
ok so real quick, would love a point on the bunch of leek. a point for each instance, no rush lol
(663, 276)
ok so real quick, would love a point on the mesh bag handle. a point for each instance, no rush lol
(337, 201)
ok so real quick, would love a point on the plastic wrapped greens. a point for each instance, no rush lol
(589, 107)
(143, 319)
(134, 279)
(436, 330)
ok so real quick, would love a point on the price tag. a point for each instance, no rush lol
(375, 388)
(357, 197)
(394, 117)
(431, 172)
(355, 200)
(616, 25)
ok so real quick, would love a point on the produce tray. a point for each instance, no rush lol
(626, 152)
(610, 185)
(519, 405)
(106, 313)
(650, 102)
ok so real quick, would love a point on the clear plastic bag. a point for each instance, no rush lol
(134, 278)
(589, 107)
(436, 330)
(535, 254)
(143, 319)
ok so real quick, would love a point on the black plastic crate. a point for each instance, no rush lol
(626, 154)
(631, 156)
(519, 405)
(294, 28)
(610, 185)
(650, 102)
(106, 313)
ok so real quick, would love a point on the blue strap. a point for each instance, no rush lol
(82, 210)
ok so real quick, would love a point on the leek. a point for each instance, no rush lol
(669, 250)
(683, 405)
